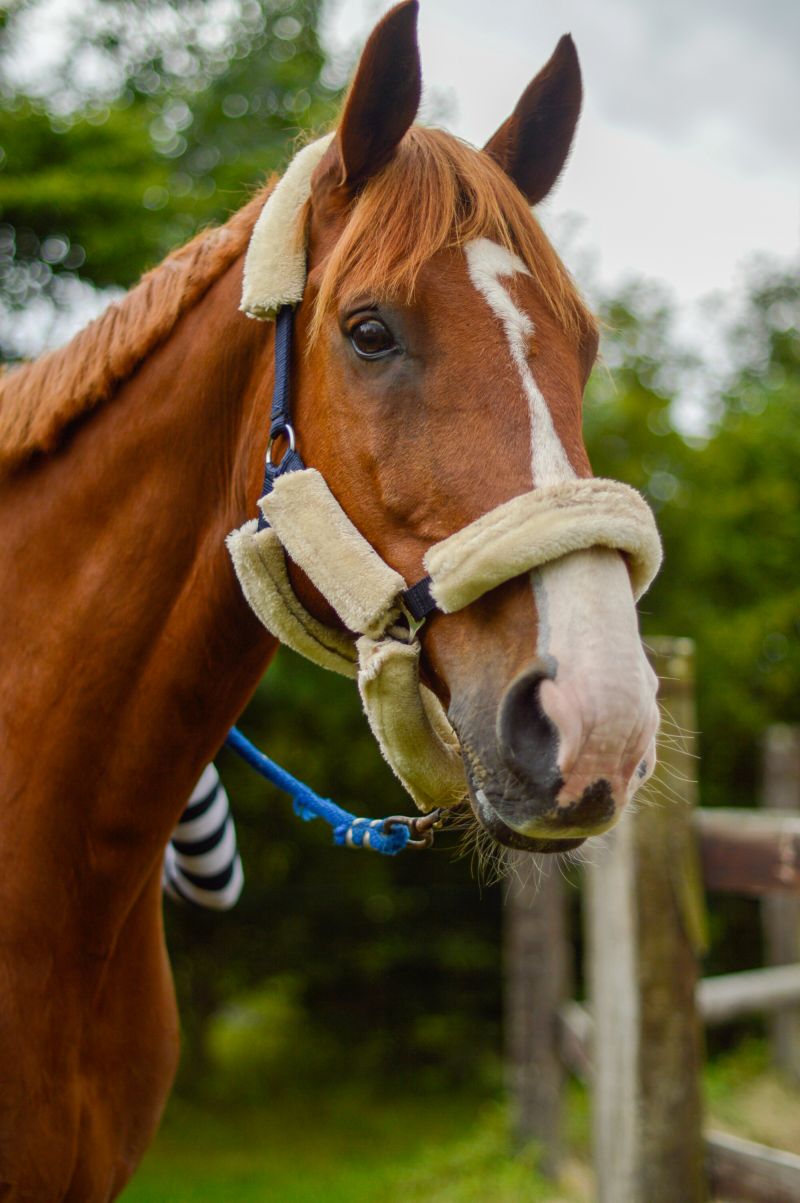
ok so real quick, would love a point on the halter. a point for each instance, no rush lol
(416, 601)
(302, 520)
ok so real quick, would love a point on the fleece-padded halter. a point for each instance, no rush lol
(301, 519)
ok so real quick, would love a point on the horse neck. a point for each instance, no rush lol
(132, 648)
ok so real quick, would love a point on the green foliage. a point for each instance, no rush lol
(89, 186)
(728, 507)
(746, 1096)
(262, 1039)
(361, 1146)
(105, 185)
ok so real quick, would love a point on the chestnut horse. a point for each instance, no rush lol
(442, 353)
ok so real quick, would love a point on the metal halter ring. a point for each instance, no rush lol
(420, 828)
(285, 431)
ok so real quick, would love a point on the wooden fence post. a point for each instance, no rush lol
(781, 916)
(536, 958)
(644, 926)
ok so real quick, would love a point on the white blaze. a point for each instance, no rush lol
(602, 698)
(486, 263)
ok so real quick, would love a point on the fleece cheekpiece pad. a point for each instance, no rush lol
(409, 723)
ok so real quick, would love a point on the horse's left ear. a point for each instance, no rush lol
(533, 144)
(383, 98)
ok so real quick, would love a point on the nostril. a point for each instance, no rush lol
(528, 738)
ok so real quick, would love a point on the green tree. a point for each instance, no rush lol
(728, 506)
(181, 121)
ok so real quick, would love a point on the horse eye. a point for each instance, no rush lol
(371, 339)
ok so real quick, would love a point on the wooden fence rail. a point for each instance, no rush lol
(743, 1170)
(752, 852)
(740, 1171)
(755, 991)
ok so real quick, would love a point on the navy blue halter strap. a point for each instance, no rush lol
(417, 599)
(280, 425)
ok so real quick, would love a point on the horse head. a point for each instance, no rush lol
(442, 355)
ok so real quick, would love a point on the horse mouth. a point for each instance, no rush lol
(501, 833)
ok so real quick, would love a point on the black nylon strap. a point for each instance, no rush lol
(281, 415)
(418, 599)
(281, 395)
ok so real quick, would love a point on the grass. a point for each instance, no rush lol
(356, 1146)
(746, 1097)
(344, 1148)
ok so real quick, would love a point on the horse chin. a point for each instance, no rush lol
(501, 833)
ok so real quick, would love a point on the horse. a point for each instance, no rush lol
(441, 351)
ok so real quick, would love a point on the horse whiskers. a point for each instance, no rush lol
(488, 862)
(657, 793)
(491, 863)
(668, 718)
(665, 767)
(674, 775)
(674, 740)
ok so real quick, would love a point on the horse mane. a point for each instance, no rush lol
(39, 399)
(435, 193)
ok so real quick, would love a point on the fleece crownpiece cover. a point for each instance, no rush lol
(275, 264)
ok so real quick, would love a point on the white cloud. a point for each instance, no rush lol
(686, 159)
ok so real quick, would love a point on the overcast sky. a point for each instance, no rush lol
(686, 159)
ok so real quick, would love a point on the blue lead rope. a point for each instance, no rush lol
(348, 830)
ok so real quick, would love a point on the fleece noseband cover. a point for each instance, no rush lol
(307, 523)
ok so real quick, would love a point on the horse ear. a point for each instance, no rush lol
(533, 144)
(383, 98)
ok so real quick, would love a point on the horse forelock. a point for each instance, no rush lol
(438, 193)
(40, 399)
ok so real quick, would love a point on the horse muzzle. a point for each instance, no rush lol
(551, 773)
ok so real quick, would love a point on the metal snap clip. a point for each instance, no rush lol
(420, 828)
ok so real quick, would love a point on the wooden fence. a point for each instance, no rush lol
(639, 1039)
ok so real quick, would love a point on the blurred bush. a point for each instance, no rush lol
(127, 125)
